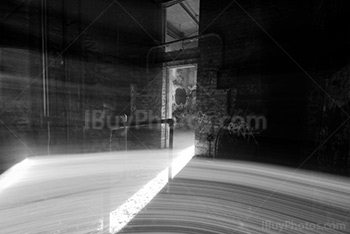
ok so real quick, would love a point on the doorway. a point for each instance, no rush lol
(181, 104)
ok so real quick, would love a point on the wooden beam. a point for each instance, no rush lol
(189, 12)
(169, 3)
(174, 32)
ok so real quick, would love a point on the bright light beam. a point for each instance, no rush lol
(126, 212)
(14, 174)
(120, 217)
(181, 160)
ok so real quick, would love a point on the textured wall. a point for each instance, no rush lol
(92, 60)
(275, 60)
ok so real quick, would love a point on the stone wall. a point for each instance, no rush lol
(275, 60)
(328, 124)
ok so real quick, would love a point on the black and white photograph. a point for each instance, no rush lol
(175, 116)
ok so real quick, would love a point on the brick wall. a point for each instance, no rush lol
(211, 102)
(271, 54)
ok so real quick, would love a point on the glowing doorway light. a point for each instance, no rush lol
(181, 160)
(14, 174)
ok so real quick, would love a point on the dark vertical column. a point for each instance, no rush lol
(171, 145)
(35, 70)
(171, 134)
(2, 167)
(81, 82)
(44, 73)
(66, 95)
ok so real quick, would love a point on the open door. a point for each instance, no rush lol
(182, 103)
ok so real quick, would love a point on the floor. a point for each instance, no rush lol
(216, 196)
(90, 193)
(130, 192)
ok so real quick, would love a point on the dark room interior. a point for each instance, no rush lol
(204, 116)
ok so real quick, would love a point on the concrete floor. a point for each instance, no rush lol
(79, 193)
(129, 192)
(216, 196)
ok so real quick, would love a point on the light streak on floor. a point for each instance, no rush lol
(14, 174)
(125, 192)
(126, 212)
(77, 193)
(236, 197)
(181, 160)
